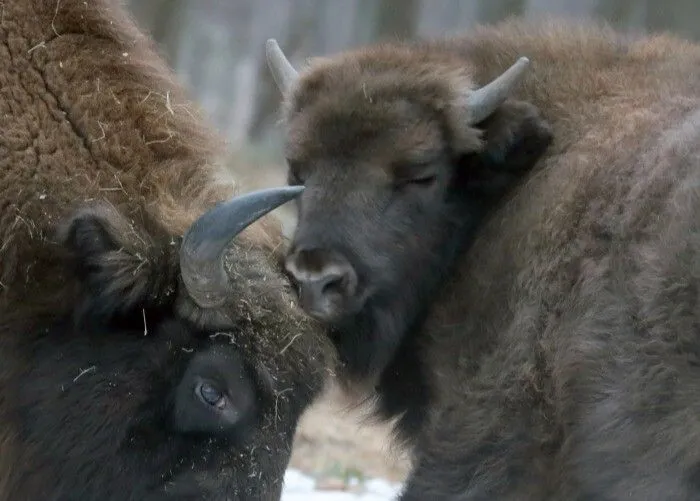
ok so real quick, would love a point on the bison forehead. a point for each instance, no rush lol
(360, 129)
(375, 102)
(390, 71)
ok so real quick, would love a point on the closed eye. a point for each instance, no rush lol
(423, 181)
(421, 174)
(426, 180)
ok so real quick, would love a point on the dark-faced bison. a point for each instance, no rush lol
(141, 356)
(558, 357)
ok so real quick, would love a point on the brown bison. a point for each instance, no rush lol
(142, 357)
(558, 357)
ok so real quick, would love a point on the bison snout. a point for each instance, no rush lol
(326, 282)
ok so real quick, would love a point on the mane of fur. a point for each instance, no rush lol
(92, 113)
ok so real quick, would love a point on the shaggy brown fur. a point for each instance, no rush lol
(90, 113)
(562, 355)
(92, 120)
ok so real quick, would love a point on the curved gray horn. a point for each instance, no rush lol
(204, 243)
(282, 70)
(483, 102)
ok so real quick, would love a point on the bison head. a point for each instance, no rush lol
(134, 394)
(401, 156)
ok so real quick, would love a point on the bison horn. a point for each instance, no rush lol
(282, 70)
(205, 242)
(483, 102)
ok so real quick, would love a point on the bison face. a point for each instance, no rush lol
(112, 414)
(400, 160)
(130, 395)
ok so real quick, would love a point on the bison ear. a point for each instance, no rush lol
(120, 269)
(514, 137)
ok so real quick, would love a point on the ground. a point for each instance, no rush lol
(338, 456)
(336, 443)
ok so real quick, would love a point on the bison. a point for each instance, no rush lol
(557, 356)
(143, 357)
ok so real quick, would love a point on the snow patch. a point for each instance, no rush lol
(301, 487)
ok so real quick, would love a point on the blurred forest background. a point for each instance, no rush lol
(217, 49)
(216, 46)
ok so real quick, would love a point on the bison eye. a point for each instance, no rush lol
(423, 174)
(423, 180)
(217, 394)
(211, 395)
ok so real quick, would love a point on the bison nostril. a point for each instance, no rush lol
(325, 281)
(333, 284)
(339, 278)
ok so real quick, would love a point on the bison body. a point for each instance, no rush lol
(557, 358)
(126, 373)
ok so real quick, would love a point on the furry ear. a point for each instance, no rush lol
(510, 142)
(515, 137)
(121, 269)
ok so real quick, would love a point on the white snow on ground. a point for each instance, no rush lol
(300, 487)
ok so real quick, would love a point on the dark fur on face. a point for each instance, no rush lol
(126, 390)
(395, 191)
(560, 357)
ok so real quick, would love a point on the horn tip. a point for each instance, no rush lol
(271, 43)
(296, 189)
